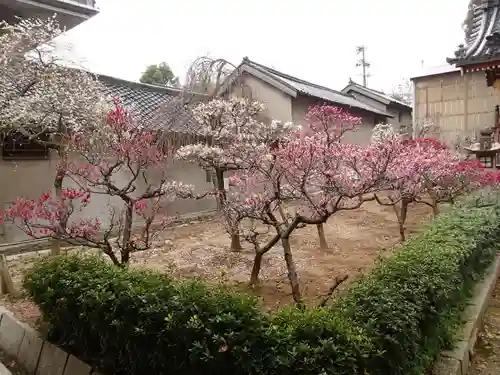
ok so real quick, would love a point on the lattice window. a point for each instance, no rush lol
(486, 161)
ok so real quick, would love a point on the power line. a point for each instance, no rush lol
(363, 63)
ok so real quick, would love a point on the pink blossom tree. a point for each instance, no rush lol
(122, 159)
(425, 171)
(333, 123)
(41, 99)
(304, 180)
(232, 130)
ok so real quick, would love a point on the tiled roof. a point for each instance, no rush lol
(378, 94)
(155, 105)
(312, 89)
(483, 43)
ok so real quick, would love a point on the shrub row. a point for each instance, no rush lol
(133, 322)
(394, 320)
(410, 305)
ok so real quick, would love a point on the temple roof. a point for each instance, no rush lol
(483, 43)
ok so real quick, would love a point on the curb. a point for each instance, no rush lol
(457, 360)
(33, 353)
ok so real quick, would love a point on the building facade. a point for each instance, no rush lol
(288, 98)
(461, 98)
(401, 112)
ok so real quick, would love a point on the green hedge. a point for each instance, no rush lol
(410, 305)
(394, 320)
(132, 322)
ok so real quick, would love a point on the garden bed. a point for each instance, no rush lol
(200, 249)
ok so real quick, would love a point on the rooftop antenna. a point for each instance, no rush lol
(363, 63)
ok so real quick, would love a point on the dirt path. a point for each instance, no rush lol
(487, 358)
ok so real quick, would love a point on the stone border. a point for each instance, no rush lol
(457, 360)
(34, 354)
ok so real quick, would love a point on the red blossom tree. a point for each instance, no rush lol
(426, 171)
(122, 159)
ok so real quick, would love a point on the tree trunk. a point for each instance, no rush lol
(321, 235)
(127, 232)
(257, 264)
(401, 215)
(55, 244)
(221, 201)
(235, 242)
(292, 272)
(435, 208)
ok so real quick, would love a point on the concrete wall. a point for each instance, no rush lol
(31, 178)
(401, 115)
(278, 104)
(458, 105)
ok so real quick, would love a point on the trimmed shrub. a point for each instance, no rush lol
(395, 320)
(410, 304)
(133, 322)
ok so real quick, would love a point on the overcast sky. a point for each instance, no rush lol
(315, 39)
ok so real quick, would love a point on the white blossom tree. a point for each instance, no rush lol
(232, 131)
(41, 100)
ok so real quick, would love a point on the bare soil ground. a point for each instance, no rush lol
(200, 249)
(487, 358)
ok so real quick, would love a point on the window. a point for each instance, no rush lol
(17, 146)
(486, 161)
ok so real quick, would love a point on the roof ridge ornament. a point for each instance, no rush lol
(490, 3)
(493, 43)
(461, 51)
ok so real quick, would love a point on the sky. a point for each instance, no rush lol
(314, 40)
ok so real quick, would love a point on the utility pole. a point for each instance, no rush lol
(363, 63)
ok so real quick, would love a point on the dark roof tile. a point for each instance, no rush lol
(156, 106)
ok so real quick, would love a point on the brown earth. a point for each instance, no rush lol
(200, 249)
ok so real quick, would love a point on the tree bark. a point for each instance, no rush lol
(401, 215)
(235, 242)
(292, 271)
(321, 235)
(127, 232)
(257, 264)
(55, 244)
(435, 208)
(221, 201)
(338, 280)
